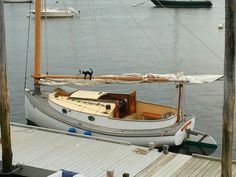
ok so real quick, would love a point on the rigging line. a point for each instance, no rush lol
(96, 29)
(141, 3)
(71, 33)
(183, 98)
(140, 27)
(175, 98)
(64, 4)
(46, 35)
(194, 35)
(117, 32)
(27, 47)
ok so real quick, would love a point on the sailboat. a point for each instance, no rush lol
(110, 115)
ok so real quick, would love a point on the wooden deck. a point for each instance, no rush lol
(42, 152)
(177, 165)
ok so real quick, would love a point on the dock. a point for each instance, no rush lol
(41, 152)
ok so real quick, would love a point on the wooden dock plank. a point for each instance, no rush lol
(233, 170)
(187, 168)
(218, 174)
(212, 170)
(156, 165)
(200, 167)
(180, 170)
(175, 164)
(205, 169)
(195, 166)
(217, 170)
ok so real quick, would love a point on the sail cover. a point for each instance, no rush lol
(133, 78)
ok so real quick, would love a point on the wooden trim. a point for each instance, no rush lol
(186, 126)
(119, 78)
(151, 115)
(37, 55)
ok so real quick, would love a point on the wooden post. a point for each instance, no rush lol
(229, 90)
(4, 100)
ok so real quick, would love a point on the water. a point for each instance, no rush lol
(114, 37)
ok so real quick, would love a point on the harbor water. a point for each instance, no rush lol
(117, 37)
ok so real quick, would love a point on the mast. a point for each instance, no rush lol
(229, 90)
(37, 56)
(4, 101)
(179, 87)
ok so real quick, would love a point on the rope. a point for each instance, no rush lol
(72, 38)
(27, 48)
(64, 4)
(140, 27)
(185, 27)
(18, 167)
(116, 31)
(183, 98)
(95, 29)
(141, 3)
(71, 33)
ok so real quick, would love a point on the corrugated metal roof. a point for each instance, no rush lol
(53, 150)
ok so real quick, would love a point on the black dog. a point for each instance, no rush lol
(85, 73)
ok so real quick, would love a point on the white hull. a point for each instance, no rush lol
(136, 132)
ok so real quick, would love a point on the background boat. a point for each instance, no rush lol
(183, 3)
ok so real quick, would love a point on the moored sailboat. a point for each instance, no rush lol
(182, 3)
(109, 115)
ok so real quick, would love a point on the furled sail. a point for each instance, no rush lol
(131, 78)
